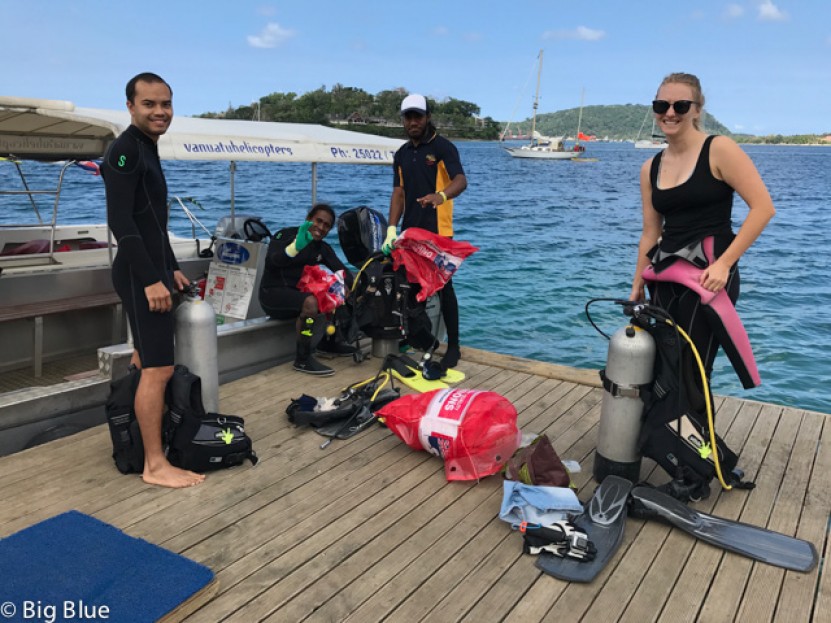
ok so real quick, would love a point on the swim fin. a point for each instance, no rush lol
(344, 429)
(450, 376)
(757, 543)
(409, 373)
(603, 523)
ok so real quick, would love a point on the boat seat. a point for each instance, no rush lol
(35, 246)
(28, 248)
(92, 244)
(39, 310)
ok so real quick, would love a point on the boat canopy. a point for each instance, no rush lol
(58, 130)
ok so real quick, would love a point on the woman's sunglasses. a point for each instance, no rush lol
(681, 107)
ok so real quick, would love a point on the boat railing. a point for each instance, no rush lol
(194, 223)
(49, 255)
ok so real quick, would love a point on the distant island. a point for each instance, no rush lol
(360, 111)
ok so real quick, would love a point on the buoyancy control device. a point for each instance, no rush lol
(657, 404)
(361, 233)
(381, 301)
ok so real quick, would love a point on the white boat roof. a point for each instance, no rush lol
(58, 130)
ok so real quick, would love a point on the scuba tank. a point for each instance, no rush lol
(196, 344)
(629, 365)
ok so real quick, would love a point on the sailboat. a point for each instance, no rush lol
(542, 147)
(656, 142)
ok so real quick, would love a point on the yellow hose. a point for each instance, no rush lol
(708, 399)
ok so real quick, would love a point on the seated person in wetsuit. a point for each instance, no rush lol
(291, 249)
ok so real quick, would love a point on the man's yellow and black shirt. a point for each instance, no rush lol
(424, 169)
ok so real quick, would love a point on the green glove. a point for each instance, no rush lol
(301, 241)
(392, 236)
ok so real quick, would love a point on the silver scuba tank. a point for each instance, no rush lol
(629, 365)
(196, 345)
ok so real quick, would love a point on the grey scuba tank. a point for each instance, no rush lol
(629, 365)
(196, 345)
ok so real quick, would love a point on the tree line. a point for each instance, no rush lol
(360, 111)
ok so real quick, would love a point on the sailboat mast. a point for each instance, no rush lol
(580, 115)
(536, 101)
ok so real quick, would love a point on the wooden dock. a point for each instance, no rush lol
(369, 530)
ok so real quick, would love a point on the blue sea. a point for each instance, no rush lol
(551, 236)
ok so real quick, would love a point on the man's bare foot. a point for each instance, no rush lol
(170, 476)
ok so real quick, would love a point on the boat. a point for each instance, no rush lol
(658, 141)
(56, 296)
(544, 147)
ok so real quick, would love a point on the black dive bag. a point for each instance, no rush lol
(200, 441)
(193, 439)
(675, 431)
(361, 233)
(128, 449)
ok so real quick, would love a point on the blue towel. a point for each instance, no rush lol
(76, 564)
(537, 505)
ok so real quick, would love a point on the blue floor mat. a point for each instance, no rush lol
(73, 562)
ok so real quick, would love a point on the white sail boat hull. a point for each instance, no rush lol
(544, 147)
(647, 144)
(541, 153)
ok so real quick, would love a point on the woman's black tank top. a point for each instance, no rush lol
(701, 206)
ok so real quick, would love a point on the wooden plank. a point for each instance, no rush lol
(766, 583)
(387, 567)
(463, 579)
(193, 603)
(668, 549)
(407, 564)
(691, 591)
(370, 530)
(811, 593)
(730, 581)
(299, 569)
(539, 368)
(91, 457)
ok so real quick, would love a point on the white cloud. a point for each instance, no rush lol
(473, 37)
(440, 31)
(271, 36)
(581, 32)
(267, 11)
(733, 11)
(769, 12)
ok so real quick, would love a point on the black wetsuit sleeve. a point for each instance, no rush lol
(276, 256)
(122, 171)
(331, 259)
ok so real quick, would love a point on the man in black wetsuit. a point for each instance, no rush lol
(289, 252)
(145, 270)
(428, 175)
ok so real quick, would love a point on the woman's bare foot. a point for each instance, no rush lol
(170, 476)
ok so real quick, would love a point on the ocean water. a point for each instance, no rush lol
(551, 236)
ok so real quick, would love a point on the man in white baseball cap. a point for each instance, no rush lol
(428, 176)
(414, 103)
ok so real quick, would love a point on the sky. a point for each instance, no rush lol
(765, 65)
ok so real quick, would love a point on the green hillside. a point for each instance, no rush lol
(625, 121)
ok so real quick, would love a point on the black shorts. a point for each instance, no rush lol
(282, 303)
(152, 331)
